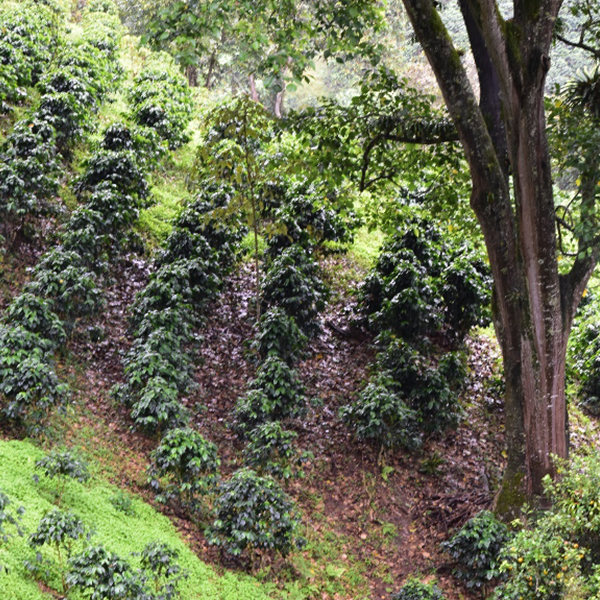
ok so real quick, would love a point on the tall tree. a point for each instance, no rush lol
(503, 135)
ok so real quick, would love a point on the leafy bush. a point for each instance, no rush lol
(414, 589)
(429, 389)
(62, 277)
(380, 415)
(157, 406)
(102, 575)
(271, 450)
(540, 564)
(158, 559)
(292, 283)
(275, 394)
(189, 462)
(475, 550)
(162, 101)
(118, 168)
(277, 334)
(422, 283)
(27, 173)
(69, 118)
(60, 530)
(584, 357)
(35, 314)
(28, 381)
(143, 141)
(253, 513)
(63, 464)
(302, 211)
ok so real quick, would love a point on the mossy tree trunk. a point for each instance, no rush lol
(504, 138)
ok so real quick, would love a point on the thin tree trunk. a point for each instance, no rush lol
(253, 92)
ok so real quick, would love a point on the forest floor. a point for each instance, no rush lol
(370, 523)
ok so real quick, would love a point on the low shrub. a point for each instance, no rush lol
(271, 451)
(423, 283)
(277, 334)
(64, 465)
(101, 575)
(292, 282)
(428, 388)
(35, 315)
(61, 531)
(157, 406)
(380, 415)
(190, 464)
(475, 550)
(158, 560)
(275, 394)
(253, 513)
(414, 589)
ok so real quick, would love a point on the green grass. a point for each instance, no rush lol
(366, 246)
(114, 529)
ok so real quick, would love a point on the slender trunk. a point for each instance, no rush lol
(192, 75)
(253, 91)
(211, 65)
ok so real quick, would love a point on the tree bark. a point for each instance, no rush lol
(505, 133)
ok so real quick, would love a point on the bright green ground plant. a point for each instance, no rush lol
(118, 532)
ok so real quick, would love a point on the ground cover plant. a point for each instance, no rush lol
(117, 533)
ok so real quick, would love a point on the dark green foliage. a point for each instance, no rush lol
(62, 277)
(143, 141)
(428, 385)
(189, 462)
(67, 116)
(69, 80)
(414, 589)
(271, 450)
(162, 102)
(292, 282)
(35, 315)
(28, 382)
(475, 550)
(584, 357)
(277, 334)
(27, 173)
(102, 575)
(63, 464)
(158, 560)
(423, 283)
(157, 406)
(119, 168)
(275, 394)
(28, 36)
(301, 207)
(253, 513)
(380, 415)
(61, 531)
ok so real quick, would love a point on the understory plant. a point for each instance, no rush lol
(190, 465)
(64, 465)
(253, 515)
(475, 550)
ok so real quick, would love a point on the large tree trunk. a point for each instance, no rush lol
(504, 133)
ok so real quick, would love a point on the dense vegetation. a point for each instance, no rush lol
(260, 339)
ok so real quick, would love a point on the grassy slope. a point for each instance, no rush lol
(119, 533)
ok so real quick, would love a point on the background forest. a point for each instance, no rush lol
(246, 348)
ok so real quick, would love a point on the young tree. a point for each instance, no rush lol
(504, 139)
